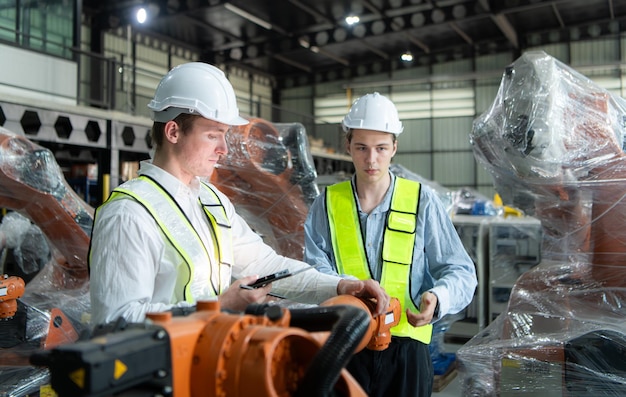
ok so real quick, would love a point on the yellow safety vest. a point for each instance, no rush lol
(180, 232)
(398, 244)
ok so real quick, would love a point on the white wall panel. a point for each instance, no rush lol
(295, 103)
(483, 177)
(419, 163)
(416, 136)
(558, 51)
(454, 169)
(594, 52)
(414, 73)
(332, 135)
(452, 133)
(33, 75)
(486, 64)
(485, 96)
(452, 68)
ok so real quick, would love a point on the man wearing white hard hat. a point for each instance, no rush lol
(169, 238)
(396, 231)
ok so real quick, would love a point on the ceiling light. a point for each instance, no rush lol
(248, 16)
(407, 57)
(352, 19)
(141, 15)
(304, 42)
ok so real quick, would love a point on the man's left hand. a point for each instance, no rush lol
(427, 310)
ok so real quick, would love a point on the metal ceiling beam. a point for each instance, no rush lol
(282, 58)
(502, 22)
(247, 15)
(205, 25)
(507, 29)
(292, 63)
(373, 9)
(311, 11)
(511, 35)
(418, 43)
(337, 58)
(461, 33)
(557, 14)
(375, 50)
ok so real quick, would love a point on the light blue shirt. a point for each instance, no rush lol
(440, 262)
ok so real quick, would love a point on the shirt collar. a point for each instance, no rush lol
(385, 204)
(169, 181)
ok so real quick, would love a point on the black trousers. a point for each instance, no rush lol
(404, 369)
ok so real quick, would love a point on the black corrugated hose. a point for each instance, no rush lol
(349, 325)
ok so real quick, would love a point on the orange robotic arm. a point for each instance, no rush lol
(275, 352)
(11, 288)
(269, 181)
(32, 183)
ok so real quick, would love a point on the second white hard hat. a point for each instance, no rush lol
(373, 112)
(196, 87)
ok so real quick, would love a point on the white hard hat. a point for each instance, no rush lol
(196, 87)
(373, 112)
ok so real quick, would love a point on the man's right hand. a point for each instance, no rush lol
(237, 299)
(366, 289)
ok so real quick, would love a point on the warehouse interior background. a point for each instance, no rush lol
(293, 61)
(76, 76)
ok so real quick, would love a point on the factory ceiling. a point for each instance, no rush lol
(299, 42)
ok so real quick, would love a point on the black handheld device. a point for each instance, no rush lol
(263, 281)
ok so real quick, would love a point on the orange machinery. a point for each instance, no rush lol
(270, 176)
(209, 352)
(269, 351)
(554, 141)
(11, 288)
(32, 183)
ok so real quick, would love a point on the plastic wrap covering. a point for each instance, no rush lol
(24, 247)
(467, 201)
(553, 142)
(463, 201)
(445, 194)
(270, 177)
(44, 238)
(31, 183)
(21, 381)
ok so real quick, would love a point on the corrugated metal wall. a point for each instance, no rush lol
(438, 105)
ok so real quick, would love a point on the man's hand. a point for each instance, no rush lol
(365, 289)
(237, 298)
(427, 310)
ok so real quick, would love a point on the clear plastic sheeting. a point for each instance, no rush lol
(269, 175)
(553, 142)
(22, 381)
(464, 201)
(32, 183)
(467, 201)
(445, 195)
(45, 238)
(23, 247)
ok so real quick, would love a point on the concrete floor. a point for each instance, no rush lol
(453, 389)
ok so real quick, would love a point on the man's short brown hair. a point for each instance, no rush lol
(184, 121)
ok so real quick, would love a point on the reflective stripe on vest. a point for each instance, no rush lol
(398, 244)
(179, 231)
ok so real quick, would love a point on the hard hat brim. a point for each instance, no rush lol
(171, 113)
